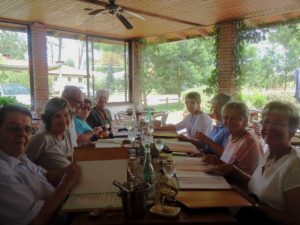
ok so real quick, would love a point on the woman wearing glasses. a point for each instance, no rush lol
(52, 148)
(196, 121)
(274, 187)
(84, 132)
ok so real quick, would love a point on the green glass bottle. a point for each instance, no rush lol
(149, 176)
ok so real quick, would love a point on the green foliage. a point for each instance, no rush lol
(21, 77)
(255, 99)
(171, 68)
(70, 62)
(171, 107)
(267, 57)
(7, 100)
(13, 44)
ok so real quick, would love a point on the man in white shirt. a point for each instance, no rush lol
(28, 193)
(74, 96)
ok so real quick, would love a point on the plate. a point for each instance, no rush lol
(165, 211)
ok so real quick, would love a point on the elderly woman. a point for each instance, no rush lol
(28, 195)
(196, 121)
(52, 148)
(84, 132)
(274, 187)
(100, 116)
(243, 148)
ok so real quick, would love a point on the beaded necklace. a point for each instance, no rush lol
(238, 137)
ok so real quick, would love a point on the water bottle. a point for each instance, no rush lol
(149, 176)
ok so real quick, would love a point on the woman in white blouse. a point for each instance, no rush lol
(196, 121)
(274, 188)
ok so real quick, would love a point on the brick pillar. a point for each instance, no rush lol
(136, 72)
(39, 65)
(227, 49)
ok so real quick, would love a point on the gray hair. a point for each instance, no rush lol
(102, 92)
(52, 106)
(69, 91)
(221, 99)
(240, 106)
(283, 109)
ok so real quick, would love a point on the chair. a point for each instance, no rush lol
(160, 118)
(121, 117)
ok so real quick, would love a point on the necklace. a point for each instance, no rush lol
(238, 137)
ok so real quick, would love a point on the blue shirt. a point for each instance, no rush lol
(82, 126)
(219, 134)
(24, 189)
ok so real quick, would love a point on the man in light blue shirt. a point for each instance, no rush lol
(27, 191)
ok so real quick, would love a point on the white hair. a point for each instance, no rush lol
(102, 92)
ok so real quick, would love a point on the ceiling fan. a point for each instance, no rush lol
(112, 8)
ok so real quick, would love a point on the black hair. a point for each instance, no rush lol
(13, 108)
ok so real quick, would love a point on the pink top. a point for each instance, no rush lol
(244, 153)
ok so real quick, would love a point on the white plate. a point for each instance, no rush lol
(164, 210)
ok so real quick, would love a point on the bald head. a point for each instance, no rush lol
(74, 96)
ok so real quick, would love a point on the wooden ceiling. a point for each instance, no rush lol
(164, 19)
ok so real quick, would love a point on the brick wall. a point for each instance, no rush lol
(228, 32)
(136, 72)
(39, 65)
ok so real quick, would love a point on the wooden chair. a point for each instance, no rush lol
(121, 117)
(160, 118)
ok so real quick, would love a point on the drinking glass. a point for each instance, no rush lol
(146, 141)
(169, 168)
(131, 135)
(159, 145)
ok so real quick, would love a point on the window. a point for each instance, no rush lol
(106, 66)
(109, 67)
(14, 63)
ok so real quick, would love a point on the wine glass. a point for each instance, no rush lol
(159, 145)
(169, 168)
(131, 135)
(146, 141)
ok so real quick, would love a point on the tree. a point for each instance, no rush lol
(174, 67)
(13, 44)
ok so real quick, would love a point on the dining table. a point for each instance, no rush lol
(205, 206)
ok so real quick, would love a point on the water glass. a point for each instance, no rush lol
(169, 168)
(159, 145)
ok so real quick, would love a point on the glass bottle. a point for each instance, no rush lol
(149, 176)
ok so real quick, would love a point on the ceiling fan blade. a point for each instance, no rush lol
(94, 12)
(95, 2)
(134, 14)
(124, 21)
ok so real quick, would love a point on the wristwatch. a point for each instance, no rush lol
(256, 202)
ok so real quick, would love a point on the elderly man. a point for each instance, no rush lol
(27, 191)
(74, 96)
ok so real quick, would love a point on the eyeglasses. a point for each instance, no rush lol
(87, 108)
(273, 123)
(17, 128)
(76, 100)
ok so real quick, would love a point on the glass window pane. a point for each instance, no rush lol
(14, 65)
(109, 67)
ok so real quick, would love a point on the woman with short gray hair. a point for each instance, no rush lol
(243, 148)
(100, 116)
(52, 147)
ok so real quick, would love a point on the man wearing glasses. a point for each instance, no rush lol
(28, 192)
(74, 96)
